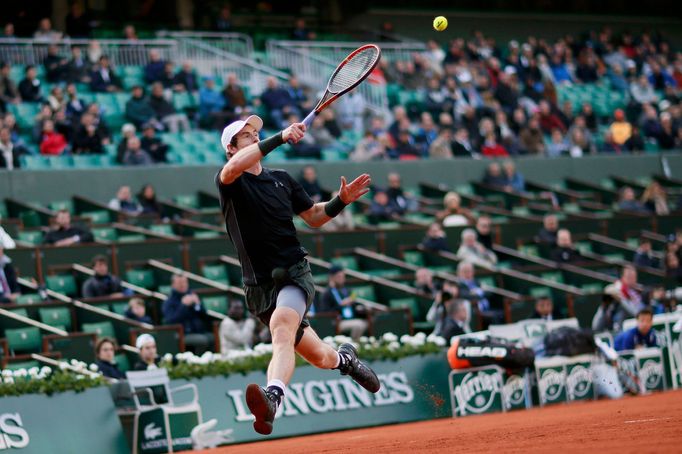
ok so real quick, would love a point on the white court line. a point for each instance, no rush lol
(632, 421)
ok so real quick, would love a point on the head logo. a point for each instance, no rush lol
(514, 391)
(579, 381)
(12, 433)
(477, 392)
(151, 431)
(651, 374)
(552, 383)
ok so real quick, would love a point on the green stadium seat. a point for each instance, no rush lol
(122, 362)
(34, 162)
(396, 321)
(62, 205)
(592, 288)
(23, 340)
(346, 262)
(537, 292)
(34, 237)
(216, 303)
(100, 329)
(119, 308)
(105, 234)
(165, 229)
(62, 283)
(207, 234)
(487, 280)
(97, 216)
(554, 276)
(529, 249)
(165, 289)
(364, 291)
(410, 303)
(324, 324)
(414, 258)
(216, 273)
(29, 298)
(56, 316)
(616, 256)
(142, 278)
(22, 365)
(132, 238)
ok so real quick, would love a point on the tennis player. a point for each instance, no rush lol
(259, 205)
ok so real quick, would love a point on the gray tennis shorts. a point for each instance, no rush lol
(261, 299)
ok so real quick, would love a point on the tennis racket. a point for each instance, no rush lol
(355, 68)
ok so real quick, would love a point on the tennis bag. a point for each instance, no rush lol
(468, 352)
(568, 341)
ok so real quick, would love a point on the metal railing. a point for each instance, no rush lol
(210, 61)
(314, 70)
(121, 52)
(338, 50)
(236, 43)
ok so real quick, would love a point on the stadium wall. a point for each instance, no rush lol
(101, 184)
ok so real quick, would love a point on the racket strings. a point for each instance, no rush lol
(354, 70)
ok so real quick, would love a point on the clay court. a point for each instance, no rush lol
(638, 424)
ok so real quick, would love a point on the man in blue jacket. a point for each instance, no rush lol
(641, 336)
(184, 307)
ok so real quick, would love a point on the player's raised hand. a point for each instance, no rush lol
(350, 192)
(294, 133)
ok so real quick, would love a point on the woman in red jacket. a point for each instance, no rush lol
(52, 143)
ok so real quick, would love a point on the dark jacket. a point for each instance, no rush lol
(141, 365)
(192, 318)
(109, 369)
(645, 260)
(145, 319)
(435, 244)
(139, 111)
(30, 91)
(96, 286)
(565, 255)
(59, 234)
(97, 82)
(161, 107)
(451, 328)
(11, 277)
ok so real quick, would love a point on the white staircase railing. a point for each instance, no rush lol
(235, 43)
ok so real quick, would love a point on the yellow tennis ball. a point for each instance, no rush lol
(440, 23)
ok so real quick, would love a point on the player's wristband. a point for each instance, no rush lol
(267, 145)
(334, 207)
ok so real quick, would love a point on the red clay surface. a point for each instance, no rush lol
(645, 424)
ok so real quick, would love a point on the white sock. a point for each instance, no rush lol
(338, 361)
(277, 383)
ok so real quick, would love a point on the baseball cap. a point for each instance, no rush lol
(144, 339)
(233, 128)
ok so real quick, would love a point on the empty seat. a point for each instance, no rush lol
(346, 262)
(364, 291)
(62, 283)
(105, 234)
(29, 298)
(34, 237)
(142, 278)
(100, 329)
(216, 303)
(23, 340)
(59, 317)
(216, 273)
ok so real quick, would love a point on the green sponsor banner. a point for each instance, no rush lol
(674, 364)
(516, 391)
(475, 391)
(152, 436)
(412, 389)
(579, 379)
(65, 423)
(551, 377)
(648, 365)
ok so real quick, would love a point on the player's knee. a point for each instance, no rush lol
(283, 335)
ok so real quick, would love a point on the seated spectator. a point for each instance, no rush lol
(672, 267)
(184, 307)
(45, 33)
(620, 129)
(494, 177)
(56, 98)
(52, 143)
(149, 358)
(435, 239)
(78, 68)
(635, 143)
(237, 330)
(470, 289)
(462, 146)
(103, 79)
(441, 147)
(337, 298)
(443, 298)
(644, 256)
(165, 112)
(548, 233)
(75, 107)
(137, 310)
(628, 202)
(234, 94)
(610, 145)
(55, 65)
(641, 336)
(135, 155)
(668, 135)
(565, 252)
(381, 209)
(213, 110)
(185, 79)
(103, 283)
(147, 200)
(351, 110)
(455, 324)
(344, 221)
(305, 148)
(9, 94)
(105, 353)
(87, 139)
(301, 32)
(310, 184)
(484, 231)
(127, 131)
(320, 134)
(474, 252)
(9, 287)
(515, 181)
(544, 309)
(621, 301)
(642, 91)
(124, 201)
(549, 120)
(223, 23)
(167, 78)
(154, 69)
(277, 100)
(491, 148)
(397, 196)
(9, 152)
(426, 133)
(29, 87)
(152, 144)
(558, 145)
(66, 234)
(531, 139)
(423, 282)
(372, 147)
(454, 214)
(138, 109)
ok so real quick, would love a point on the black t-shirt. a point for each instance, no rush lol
(259, 212)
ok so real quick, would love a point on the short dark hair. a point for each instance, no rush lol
(100, 258)
(103, 340)
(645, 311)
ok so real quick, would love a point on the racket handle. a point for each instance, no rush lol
(307, 121)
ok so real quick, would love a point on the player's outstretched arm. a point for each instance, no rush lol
(321, 213)
(247, 157)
